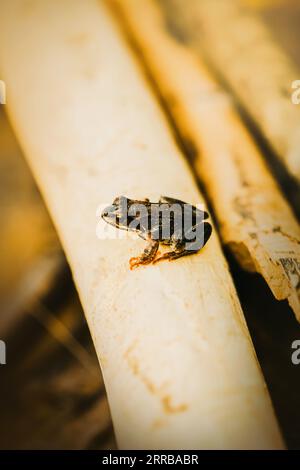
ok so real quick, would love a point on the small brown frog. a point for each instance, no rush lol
(169, 222)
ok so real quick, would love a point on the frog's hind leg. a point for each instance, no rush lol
(147, 256)
(178, 252)
(171, 255)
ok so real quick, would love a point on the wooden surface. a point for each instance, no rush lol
(254, 218)
(247, 57)
(66, 416)
(52, 393)
(160, 329)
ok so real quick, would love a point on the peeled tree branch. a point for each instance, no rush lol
(177, 360)
(245, 54)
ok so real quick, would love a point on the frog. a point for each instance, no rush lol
(158, 223)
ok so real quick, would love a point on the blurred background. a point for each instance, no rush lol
(52, 393)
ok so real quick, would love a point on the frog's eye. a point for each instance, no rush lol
(120, 200)
(108, 211)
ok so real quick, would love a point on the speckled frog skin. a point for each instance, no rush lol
(170, 222)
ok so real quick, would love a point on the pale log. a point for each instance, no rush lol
(178, 363)
(246, 55)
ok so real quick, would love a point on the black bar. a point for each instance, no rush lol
(136, 459)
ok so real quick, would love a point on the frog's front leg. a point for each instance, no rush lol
(147, 256)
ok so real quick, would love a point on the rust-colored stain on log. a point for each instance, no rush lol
(166, 399)
(170, 408)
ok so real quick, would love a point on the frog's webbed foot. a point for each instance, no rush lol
(147, 256)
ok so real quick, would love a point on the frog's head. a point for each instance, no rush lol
(117, 213)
